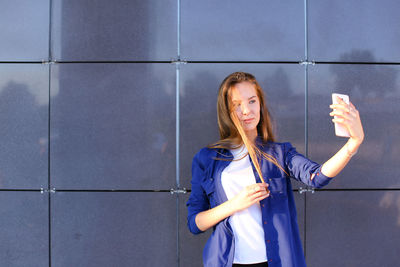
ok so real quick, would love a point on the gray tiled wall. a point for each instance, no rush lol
(104, 103)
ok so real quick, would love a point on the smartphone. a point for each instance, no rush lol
(340, 130)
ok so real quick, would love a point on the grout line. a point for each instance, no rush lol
(50, 58)
(177, 130)
(189, 190)
(177, 117)
(305, 119)
(178, 35)
(199, 62)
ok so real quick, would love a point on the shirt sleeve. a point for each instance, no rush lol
(302, 168)
(198, 200)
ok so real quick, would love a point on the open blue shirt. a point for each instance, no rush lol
(281, 232)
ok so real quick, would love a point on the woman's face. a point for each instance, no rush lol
(246, 106)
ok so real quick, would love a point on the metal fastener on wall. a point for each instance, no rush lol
(305, 62)
(42, 190)
(45, 62)
(178, 191)
(178, 61)
(304, 190)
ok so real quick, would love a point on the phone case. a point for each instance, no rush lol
(341, 130)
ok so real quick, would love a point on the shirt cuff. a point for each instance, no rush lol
(193, 226)
(320, 179)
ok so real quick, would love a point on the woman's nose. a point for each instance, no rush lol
(245, 110)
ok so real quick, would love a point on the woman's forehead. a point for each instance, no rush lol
(243, 91)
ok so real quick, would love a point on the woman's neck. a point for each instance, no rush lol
(252, 135)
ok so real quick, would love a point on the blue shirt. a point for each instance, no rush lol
(281, 232)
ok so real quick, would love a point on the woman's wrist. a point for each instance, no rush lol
(351, 152)
(352, 146)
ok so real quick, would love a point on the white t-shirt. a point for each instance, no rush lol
(246, 224)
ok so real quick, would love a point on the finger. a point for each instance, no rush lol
(252, 190)
(339, 121)
(340, 106)
(339, 109)
(341, 113)
(260, 196)
(353, 110)
(263, 185)
(341, 101)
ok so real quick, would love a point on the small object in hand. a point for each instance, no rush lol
(340, 130)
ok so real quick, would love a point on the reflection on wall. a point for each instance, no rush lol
(374, 89)
(114, 127)
(23, 150)
(370, 77)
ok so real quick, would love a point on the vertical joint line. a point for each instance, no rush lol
(177, 66)
(306, 75)
(50, 56)
(177, 231)
(306, 114)
(305, 30)
(306, 110)
(179, 30)
(48, 162)
(177, 130)
(305, 226)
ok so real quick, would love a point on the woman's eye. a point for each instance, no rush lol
(252, 101)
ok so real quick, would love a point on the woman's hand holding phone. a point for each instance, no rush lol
(347, 120)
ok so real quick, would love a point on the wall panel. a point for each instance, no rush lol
(353, 228)
(113, 229)
(113, 126)
(374, 90)
(243, 31)
(24, 119)
(120, 30)
(24, 28)
(24, 228)
(283, 85)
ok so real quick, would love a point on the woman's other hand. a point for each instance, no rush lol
(249, 196)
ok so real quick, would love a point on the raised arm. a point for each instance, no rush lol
(349, 116)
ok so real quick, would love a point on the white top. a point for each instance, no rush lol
(246, 224)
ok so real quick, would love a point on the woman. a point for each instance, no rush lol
(241, 185)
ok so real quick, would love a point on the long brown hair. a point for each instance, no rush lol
(232, 134)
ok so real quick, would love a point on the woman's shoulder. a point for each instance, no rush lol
(277, 146)
(205, 155)
(205, 152)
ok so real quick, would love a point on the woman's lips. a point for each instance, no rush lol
(248, 121)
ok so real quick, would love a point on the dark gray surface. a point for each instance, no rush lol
(354, 31)
(113, 126)
(242, 30)
(24, 97)
(113, 229)
(353, 228)
(190, 245)
(374, 91)
(24, 229)
(114, 30)
(24, 28)
(284, 89)
(301, 212)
